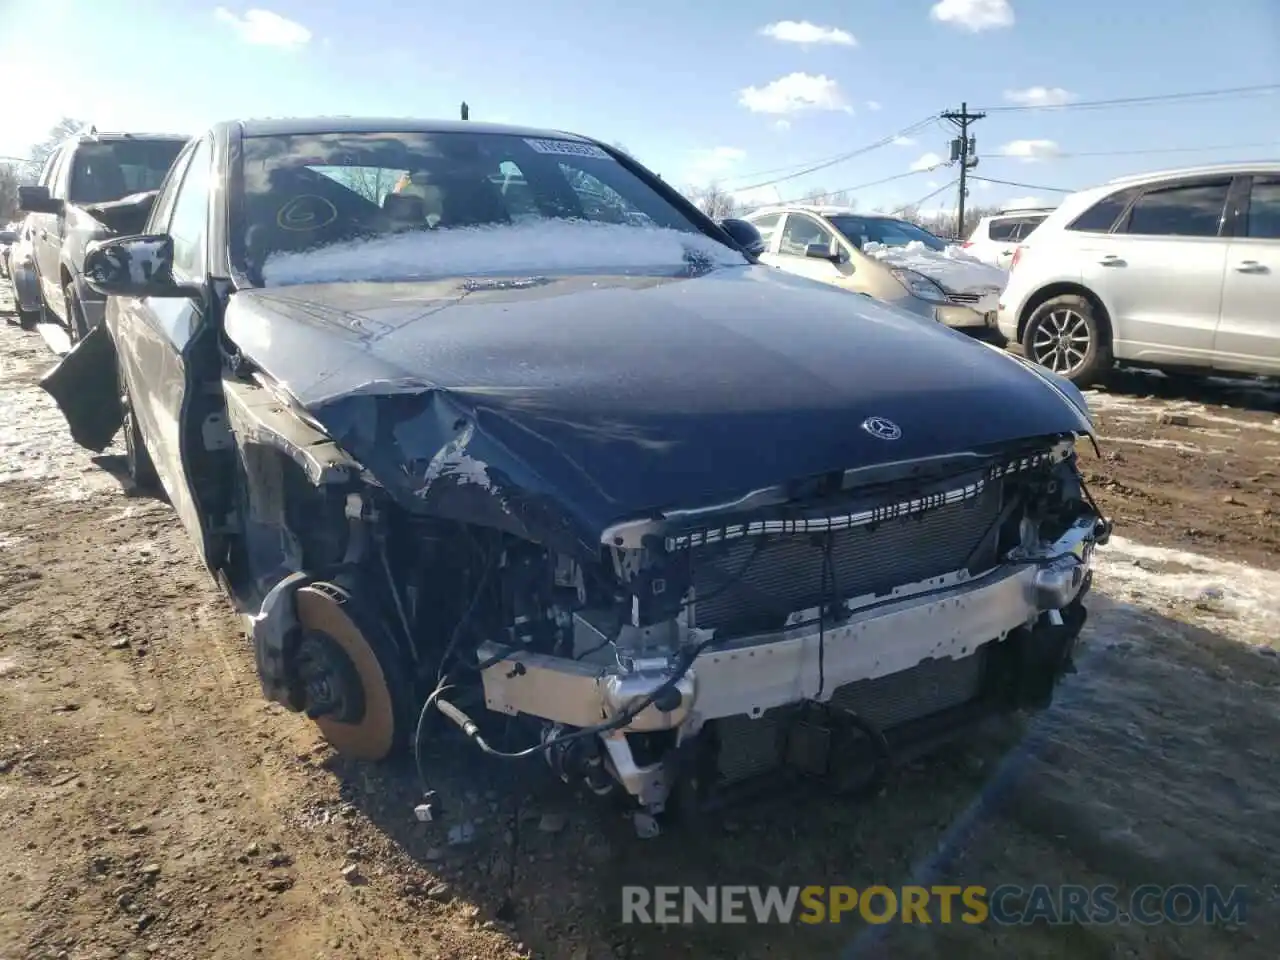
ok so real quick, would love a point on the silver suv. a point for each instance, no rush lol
(1178, 270)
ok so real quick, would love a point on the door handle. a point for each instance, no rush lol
(1006, 253)
(1251, 266)
(1111, 260)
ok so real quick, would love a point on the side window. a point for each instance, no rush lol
(801, 232)
(51, 161)
(768, 226)
(1187, 210)
(158, 221)
(57, 176)
(1264, 209)
(1102, 216)
(189, 224)
(1002, 231)
(1028, 225)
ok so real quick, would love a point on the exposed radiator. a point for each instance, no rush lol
(741, 585)
(748, 747)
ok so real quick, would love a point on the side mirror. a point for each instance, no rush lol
(823, 251)
(8, 236)
(134, 267)
(745, 235)
(37, 200)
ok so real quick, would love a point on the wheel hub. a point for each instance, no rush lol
(341, 675)
(330, 682)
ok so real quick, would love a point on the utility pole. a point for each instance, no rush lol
(963, 150)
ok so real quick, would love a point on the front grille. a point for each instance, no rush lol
(748, 748)
(964, 297)
(755, 583)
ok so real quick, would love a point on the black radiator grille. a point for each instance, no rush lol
(750, 747)
(754, 583)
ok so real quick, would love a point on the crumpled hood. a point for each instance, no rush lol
(558, 406)
(953, 269)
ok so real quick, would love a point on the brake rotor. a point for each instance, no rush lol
(366, 733)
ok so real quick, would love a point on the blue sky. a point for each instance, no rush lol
(695, 91)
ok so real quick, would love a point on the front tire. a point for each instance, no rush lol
(1064, 335)
(141, 468)
(76, 324)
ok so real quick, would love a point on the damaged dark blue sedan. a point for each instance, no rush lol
(486, 423)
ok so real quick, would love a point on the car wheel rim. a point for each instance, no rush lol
(1061, 341)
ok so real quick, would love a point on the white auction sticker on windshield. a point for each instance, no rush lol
(568, 148)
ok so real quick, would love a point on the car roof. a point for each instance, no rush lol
(290, 126)
(821, 210)
(1257, 166)
(109, 136)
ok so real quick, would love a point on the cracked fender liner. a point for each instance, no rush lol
(374, 737)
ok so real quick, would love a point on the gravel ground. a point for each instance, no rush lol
(152, 805)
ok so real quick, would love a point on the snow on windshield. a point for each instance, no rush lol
(543, 246)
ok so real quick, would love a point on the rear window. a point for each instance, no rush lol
(114, 169)
(1102, 216)
(1002, 230)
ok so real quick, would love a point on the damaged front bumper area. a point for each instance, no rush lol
(903, 667)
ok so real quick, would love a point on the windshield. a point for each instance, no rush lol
(890, 233)
(404, 206)
(113, 169)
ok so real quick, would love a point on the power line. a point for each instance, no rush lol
(1224, 92)
(1025, 186)
(841, 158)
(928, 196)
(868, 184)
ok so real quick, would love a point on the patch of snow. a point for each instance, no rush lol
(952, 267)
(1235, 599)
(524, 249)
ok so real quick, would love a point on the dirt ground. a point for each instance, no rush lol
(152, 805)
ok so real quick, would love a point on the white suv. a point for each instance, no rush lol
(1178, 270)
(995, 237)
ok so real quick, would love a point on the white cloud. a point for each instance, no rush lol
(1039, 96)
(903, 141)
(802, 31)
(716, 161)
(793, 93)
(984, 186)
(926, 162)
(1025, 202)
(1029, 151)
(264, 28)
(873, 105)
(782, 125)
(932, 185)
(973, 15)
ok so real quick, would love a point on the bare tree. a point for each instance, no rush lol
(816, 196)
(64, 128)
(9, 181)
(713, 200)
(841, 198)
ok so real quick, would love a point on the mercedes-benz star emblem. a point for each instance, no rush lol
(882, 428)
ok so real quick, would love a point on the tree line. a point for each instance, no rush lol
(17, 173)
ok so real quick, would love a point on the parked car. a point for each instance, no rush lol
(93, 186)
(656, 502)
(22, 277)
(1177, 271)
(995, 237)
(891, 259)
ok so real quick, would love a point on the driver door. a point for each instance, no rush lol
(153, 335)
(798, 234)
